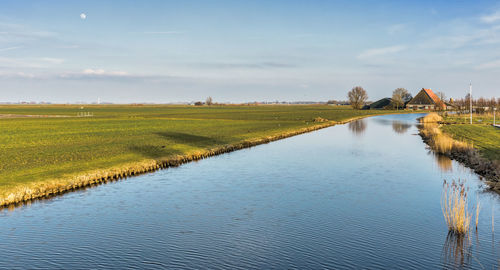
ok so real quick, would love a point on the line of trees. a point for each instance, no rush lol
(480, 104)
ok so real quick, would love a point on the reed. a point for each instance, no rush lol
(455, 207)
(431, 118)
(437, 140)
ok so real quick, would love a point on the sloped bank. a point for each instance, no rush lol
(26, 192)
(460, 151)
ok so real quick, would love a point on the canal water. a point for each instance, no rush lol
(361, 195)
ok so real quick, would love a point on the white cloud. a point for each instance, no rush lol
(381, 51)
(491, 18)
(83, 16)
(102, 72)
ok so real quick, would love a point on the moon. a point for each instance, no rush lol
(83, 16)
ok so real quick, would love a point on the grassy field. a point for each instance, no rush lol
(38, 152)
(464, 118)
(481, 134)
(485, 138)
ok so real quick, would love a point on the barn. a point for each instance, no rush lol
(426, 100)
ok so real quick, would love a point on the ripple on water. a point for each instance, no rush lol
(365, 196)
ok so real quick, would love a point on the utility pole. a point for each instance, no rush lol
(494, 113)
(470, 96)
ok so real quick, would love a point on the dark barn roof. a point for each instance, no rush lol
(379, 104)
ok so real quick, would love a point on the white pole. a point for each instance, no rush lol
(494, 113)
(470, 96)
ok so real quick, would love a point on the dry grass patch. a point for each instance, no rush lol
(455, 206)
(439, 141)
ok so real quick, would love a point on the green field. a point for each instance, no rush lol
(481, 134)
(464, 118)
(39, 149)
(485, 138)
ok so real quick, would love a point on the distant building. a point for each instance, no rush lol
(426, 100)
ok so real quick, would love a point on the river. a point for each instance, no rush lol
(360, 195)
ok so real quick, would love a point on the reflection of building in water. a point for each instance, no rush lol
(357, 127)
(457, 251)
(444, 163)
(400, 127)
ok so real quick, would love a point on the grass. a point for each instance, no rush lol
(440, 142)
(464, 118)
(46, 155)
(485, 138)
(455, 207)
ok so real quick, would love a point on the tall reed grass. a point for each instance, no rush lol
(455, 207)
(437, 140)
(431, 118)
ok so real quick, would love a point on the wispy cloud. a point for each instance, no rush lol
(86, 74)
(491, 18)
(52, 60)
(381, 51)
(94, 73)
(489, 65)
(10, 48)
(396, 28)
(115, 75)
(21, 75)
(163, 32)
(40, 62)
(248, 65)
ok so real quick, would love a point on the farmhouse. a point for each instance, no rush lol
(426, 100)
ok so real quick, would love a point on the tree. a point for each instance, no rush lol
(208, 101)
(400, 96)
(441, 95)
(357, 97)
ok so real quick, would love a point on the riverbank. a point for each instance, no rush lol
(469, 144)
(47, 156)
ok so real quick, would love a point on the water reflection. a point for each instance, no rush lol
(252, 209)
(357, 127)
(444, 163)
(457, 251)
(400, 127)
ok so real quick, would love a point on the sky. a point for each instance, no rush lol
(241, 51)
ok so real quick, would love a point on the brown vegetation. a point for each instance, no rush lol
(461, 151)
(455, 206)
(357, 97)
(439, 141)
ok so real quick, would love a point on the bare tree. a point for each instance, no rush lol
(400, 96)
(357, 97)
(441, 95)
(209, 101)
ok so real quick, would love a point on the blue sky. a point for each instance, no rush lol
(171, 51)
